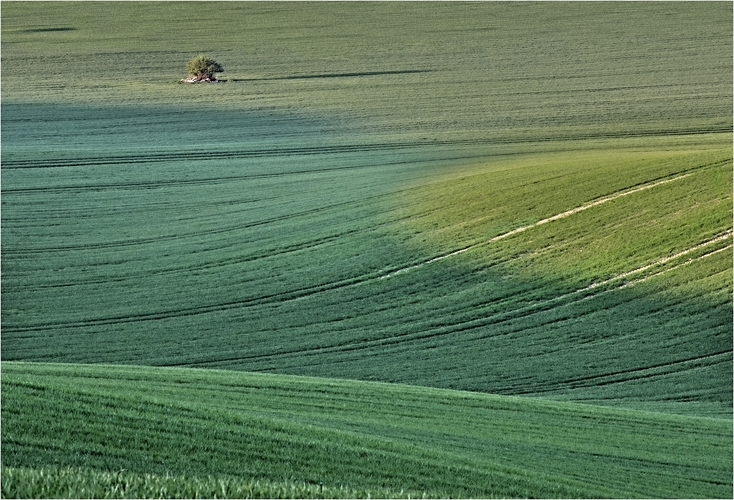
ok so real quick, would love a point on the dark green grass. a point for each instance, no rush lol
(354, 437)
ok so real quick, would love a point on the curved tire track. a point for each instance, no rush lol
(547, 220)
(495, 319)
(380, 275)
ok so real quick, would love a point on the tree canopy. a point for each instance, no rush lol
(203, 68)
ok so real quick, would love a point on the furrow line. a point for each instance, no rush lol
(622, 376)
(197, 310)
(180, 236)
(218, 264)
(587, 206)
(180, 182)
(10, 163)
(370, 277)
(355, 281)
(664, 260)
(657, 263)
(211, 155)
(541, 222)
(494, 319)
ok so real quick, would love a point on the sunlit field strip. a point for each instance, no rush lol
(541, 222)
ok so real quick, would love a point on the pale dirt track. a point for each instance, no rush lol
(556, 217)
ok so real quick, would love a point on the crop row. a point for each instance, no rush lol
(351, 435)
(250, 275)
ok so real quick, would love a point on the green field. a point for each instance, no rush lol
(373, 438)
(423, 249)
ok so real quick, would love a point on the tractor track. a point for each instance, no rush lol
(562, 215)
(493, 319)
(308, 291)
(11, 163)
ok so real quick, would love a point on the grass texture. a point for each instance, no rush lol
(355, 438)
(240, 270)
(54, 482)
(475, 72)
(466, 203)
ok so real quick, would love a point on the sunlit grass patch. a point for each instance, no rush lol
(582, 215)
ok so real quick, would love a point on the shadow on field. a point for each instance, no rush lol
(47, 30)
(333, 75)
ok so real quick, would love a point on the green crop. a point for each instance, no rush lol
(479, 73)
(172, 426)
(517, 199)
(53, 482)
(238, 268)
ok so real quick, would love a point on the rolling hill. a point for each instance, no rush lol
(500, 233)
(356, 438)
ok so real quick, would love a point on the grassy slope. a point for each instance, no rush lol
(357, 436)
(265, 235)
(305, 285)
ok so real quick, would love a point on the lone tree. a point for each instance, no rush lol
(203, 69)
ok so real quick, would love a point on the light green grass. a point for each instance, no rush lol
(651, 204)
(54, 482)
(354, 437)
